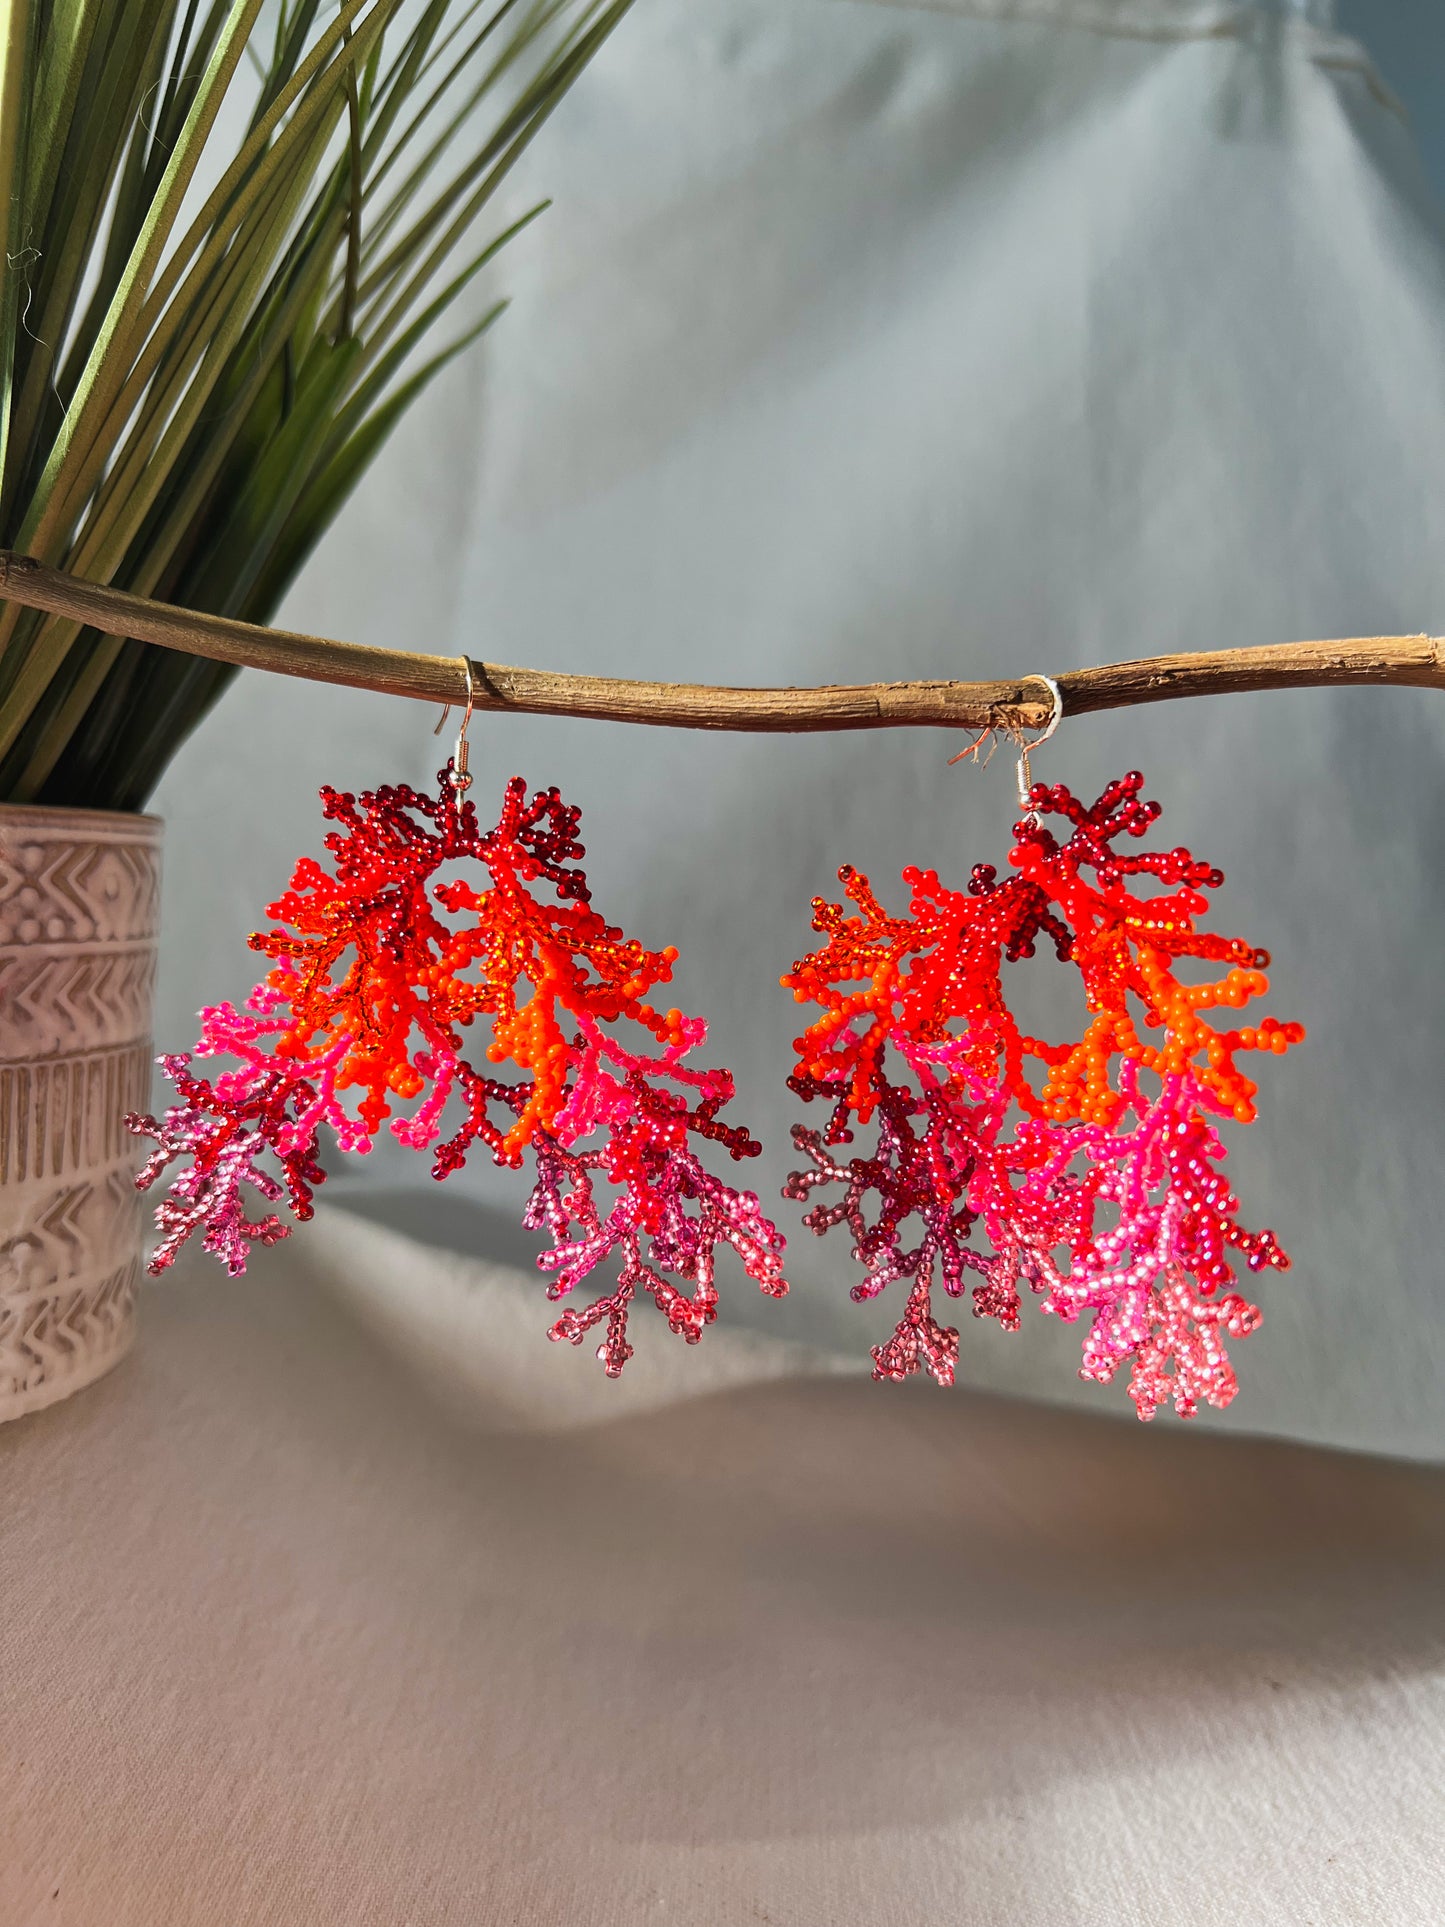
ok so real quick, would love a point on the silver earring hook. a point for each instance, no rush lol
(460, 778)
(1024, 773)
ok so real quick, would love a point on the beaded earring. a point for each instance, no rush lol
(1095, 1180)
(366, 1007)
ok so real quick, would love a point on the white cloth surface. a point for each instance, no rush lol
(294, 1635)
(874, 340)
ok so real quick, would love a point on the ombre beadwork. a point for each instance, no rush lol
(1086, 1171)
(365, 1011)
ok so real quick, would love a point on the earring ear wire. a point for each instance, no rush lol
(1023, 773)
(460, 776)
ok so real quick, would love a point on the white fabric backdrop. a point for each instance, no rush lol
(291, 1638)
(873, 340)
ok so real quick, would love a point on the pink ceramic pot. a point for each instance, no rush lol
(79, 909)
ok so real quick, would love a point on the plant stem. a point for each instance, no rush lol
(1417, 661)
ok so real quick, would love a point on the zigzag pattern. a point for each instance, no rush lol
(55, 889)
(52, 1003)
(59, 1237)
(63, 1116)
(65, 1334)
(79, 907)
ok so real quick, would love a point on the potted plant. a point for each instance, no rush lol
(231, 247)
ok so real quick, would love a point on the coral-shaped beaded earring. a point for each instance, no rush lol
(366, 1008)
(1095, 1181)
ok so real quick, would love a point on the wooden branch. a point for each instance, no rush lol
(1011, 703)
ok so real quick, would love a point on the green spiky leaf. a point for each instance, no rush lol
(183, 410)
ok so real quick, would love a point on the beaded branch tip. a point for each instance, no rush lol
(366, 1008)
(1086, 1171)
